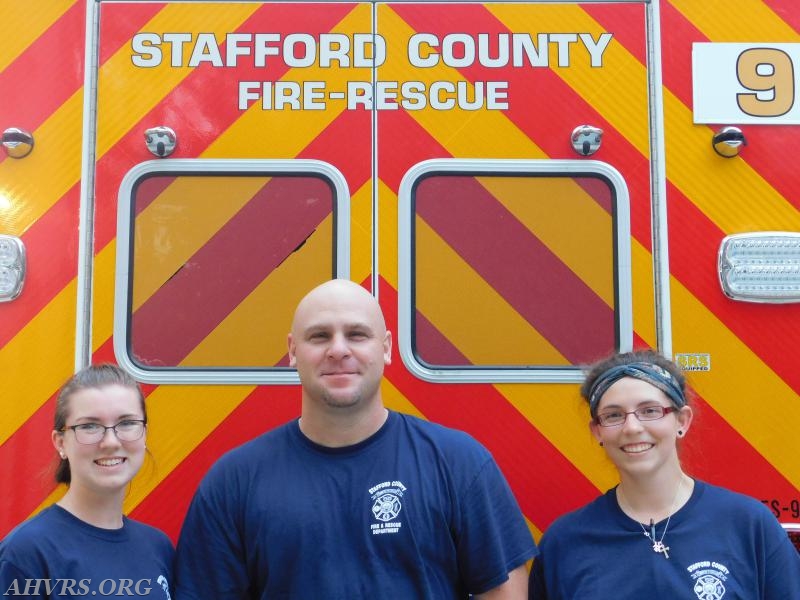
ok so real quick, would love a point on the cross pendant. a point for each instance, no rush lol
(660, 547)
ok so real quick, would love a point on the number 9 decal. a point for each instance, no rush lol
(770, 74)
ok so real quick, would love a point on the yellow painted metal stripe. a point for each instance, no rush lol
(618, 91)
(444, 272)
(743, 21)
(22, 23)
(37, 361)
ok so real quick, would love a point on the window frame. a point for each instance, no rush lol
(124, 268)
(485, 167)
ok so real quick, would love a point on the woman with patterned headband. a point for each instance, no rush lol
(659, 533)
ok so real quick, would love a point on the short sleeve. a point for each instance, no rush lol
(782, 565)
(210, 557)
(14, 582)
(493, 537)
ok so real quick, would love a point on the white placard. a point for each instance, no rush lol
(746, 83)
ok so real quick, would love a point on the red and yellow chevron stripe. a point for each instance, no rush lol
(250, 244)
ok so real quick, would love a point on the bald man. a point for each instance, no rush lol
(352, 500)
(339, 345)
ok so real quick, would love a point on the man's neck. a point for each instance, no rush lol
(337, 428)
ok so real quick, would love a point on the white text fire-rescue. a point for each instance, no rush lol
(365, 50)
(383, 95)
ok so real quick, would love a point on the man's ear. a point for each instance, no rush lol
(291, 346)
(387, 348)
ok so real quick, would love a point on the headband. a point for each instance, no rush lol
(652, 374)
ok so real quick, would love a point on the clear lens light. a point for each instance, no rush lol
(9, 281)
(12, 267)
(9, 252)
(761, 267)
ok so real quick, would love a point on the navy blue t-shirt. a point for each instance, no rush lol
(722, 546)
(415, 511)
(56, 555)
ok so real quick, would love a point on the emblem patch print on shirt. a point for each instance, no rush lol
(709, 579)
(387, 502)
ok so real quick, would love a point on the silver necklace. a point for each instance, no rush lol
(658, 545)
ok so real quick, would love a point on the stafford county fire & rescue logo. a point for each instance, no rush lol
(386, 506)
(709, 579)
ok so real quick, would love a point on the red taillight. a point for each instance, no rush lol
(793, 529)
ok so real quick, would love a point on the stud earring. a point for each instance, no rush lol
(680, 432)
(601, 443)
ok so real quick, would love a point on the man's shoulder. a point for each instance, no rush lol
(252, 454)
(446, 440)
(436, 430)
(264, 441)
